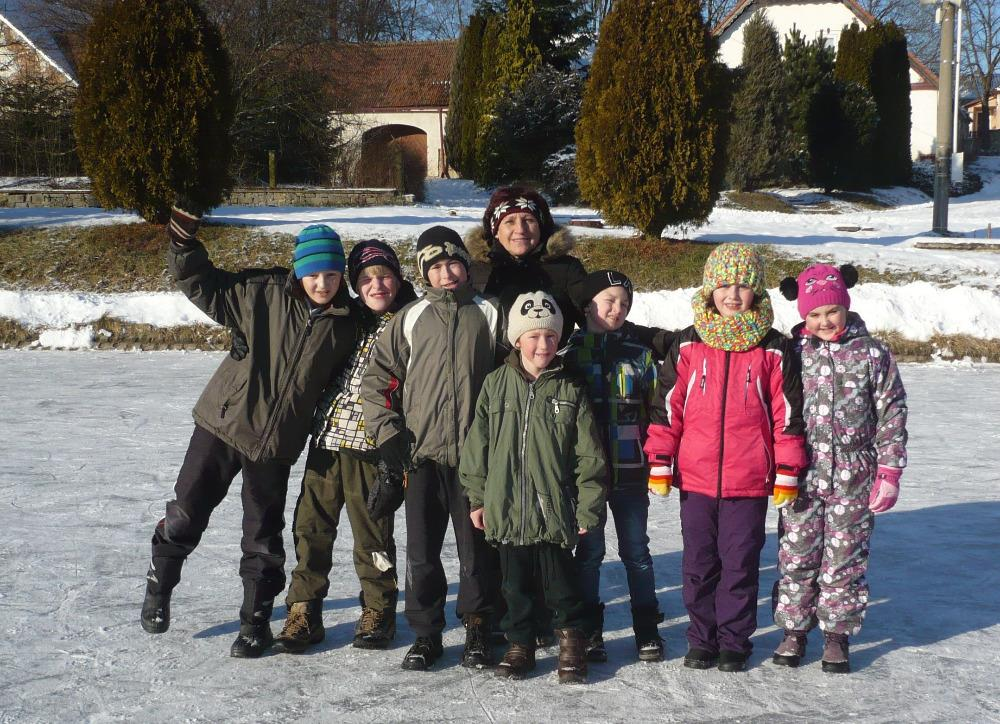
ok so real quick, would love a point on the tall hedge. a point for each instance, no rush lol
(512, 60)
(463, 101)
(808, 67)
(876, 59)
(155, 107)
(758, 141)
(653, 125)
(842, 119)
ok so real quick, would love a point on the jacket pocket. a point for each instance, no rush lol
(230, 399)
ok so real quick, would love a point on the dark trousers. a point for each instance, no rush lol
(433, 494)
(522, 568)
(209, 468)
(722, 538)
(631, 513)
(333, 481)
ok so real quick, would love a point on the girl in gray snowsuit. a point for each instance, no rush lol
(855, 412)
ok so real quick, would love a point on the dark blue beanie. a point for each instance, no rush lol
(318, 249)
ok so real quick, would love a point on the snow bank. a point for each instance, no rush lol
(917, 310)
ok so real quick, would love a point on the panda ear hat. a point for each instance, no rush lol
(789, 288)
(533, 310)
(850, 275)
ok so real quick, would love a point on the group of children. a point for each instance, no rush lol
(417, 402)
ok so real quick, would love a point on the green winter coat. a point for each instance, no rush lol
(263, 404)
(533, 457)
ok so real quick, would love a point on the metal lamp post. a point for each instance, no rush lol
(945, 115)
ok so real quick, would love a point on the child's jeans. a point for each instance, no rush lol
(523, 567)
(631, 512)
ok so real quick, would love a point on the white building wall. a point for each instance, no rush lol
(829, 18)
(430, 121)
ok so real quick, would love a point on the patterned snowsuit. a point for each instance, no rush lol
(855, 412)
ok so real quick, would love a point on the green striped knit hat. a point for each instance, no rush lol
(318, 249)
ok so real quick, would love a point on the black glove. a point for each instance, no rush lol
(395, 453)
(386, 495)
(240, 348)
(183, 226)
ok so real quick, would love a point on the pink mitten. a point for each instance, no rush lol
(885, 491)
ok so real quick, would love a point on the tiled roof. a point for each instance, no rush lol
(385, 76)
(929, 78)
(23, 19)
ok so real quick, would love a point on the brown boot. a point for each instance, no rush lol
(517, 662)
(835, 654)
(572, 656)
(303, 628)
(791, 649)
(375, 629)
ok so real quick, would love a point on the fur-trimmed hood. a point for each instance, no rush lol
(561, 243)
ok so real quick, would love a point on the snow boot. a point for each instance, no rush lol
(375, 629)
(253, 641)
(648, 643)
(517, 662)
(478, 652)
(791, 649)
(572, 656)
(155, 616)
(303, 627)
(698, 658)
(596, 652)
(733, 661)
(424, 652)
(836, 658)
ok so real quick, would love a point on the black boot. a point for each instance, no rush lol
(255, 622)
(162, 576)
(155, 616)
(252, 642)
(596, 652)
(478, 652)
(647, 637)
(424, 652)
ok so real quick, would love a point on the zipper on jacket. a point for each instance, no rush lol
(524, 446)
(454, 399)
(722, 422)
(704, 373)
(293, 363)
(746, 388)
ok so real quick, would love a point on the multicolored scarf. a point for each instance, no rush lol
(729, 264)
(733, 334)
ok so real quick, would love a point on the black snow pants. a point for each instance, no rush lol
(209, 468)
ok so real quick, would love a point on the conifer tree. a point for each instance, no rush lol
(560, 29)
(841, 119)
(757, 144)
(512, 59)
(155, 107)
(808, 67)
(465, 92)
(653, 123)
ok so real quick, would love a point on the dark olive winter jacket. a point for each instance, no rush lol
(533, 457)
(263, 404)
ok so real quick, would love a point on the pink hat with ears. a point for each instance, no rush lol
(819, 285)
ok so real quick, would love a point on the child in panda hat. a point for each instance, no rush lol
(855, 414)
(533, 447)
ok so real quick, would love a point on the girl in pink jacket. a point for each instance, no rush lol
(727, 431)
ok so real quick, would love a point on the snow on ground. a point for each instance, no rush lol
(93, 442)
(917, 310)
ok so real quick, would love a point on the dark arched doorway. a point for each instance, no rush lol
(393, 156)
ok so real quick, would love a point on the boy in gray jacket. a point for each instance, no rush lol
(419, 395)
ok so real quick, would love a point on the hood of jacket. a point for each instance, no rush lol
(855, 328)
(487, 251)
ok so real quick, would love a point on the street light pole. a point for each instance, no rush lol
(945, 119)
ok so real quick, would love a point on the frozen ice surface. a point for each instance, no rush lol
(92, 442)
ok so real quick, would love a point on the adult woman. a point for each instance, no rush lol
(519, 248)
